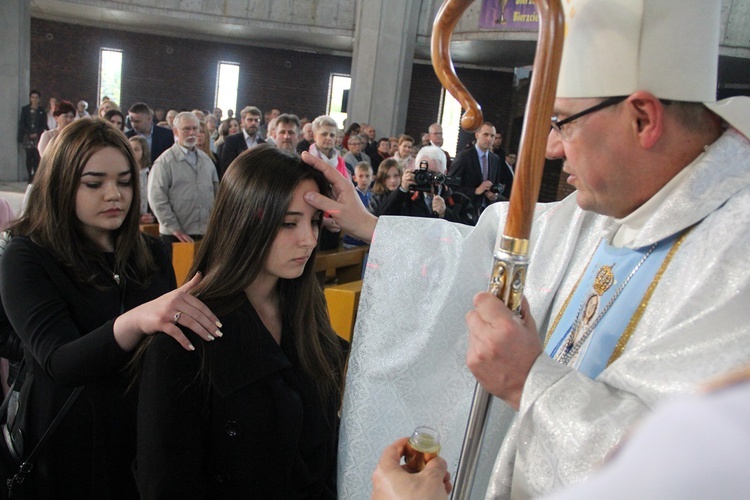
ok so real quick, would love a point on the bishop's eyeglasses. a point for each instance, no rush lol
(557, 124)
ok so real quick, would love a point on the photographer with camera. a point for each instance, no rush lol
(426, 192)
(484, 178)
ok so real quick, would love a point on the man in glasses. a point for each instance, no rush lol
(436, 139)
(638, 284)
(356, 154)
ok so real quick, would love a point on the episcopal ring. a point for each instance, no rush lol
(177, 317)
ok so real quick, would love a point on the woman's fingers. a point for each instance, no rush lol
(196, 315)
(180, 337)
(189, 285)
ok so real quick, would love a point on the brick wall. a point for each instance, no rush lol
(493, 91)
(179, 73)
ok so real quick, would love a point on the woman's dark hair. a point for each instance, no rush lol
(224, 127)
(115, 112)
(378, 186)
(64, 107)
(353, 128)
(250, 207)
(50, 217)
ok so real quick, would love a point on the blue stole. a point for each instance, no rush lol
(604, 276)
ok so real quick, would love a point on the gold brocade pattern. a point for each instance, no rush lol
(628, 332)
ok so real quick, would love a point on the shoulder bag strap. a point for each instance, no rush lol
(27, 466)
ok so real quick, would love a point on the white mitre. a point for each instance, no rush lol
(667, 47)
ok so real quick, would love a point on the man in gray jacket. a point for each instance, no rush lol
(182, 185)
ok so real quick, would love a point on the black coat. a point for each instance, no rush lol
(458, 208)
(467, 167)
(161, 140)
(250, 425)
(233, 145)
(67, 331)
(31, 122)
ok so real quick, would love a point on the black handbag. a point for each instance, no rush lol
(16, 467)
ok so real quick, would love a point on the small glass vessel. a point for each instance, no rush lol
(423, 446)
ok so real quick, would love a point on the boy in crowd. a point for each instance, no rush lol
(363, 180)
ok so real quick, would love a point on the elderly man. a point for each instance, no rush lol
(355, 154)
(371, 141)
(424, 193)
(287, 130)
(141, 120)
(245, 139)
(485, 178)
(82, 110)
(270, 136)
(638, 285)
(308, 137)
(182, 185)
(436, 139)
(170, 117)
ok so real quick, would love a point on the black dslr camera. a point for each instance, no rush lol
(497, 188)
(424, 179)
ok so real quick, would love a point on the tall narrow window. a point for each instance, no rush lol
(227, 83)
(110, 74)
(450, 120)
(338, 97)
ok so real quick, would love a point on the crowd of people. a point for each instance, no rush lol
(233, 384)
(479, 173)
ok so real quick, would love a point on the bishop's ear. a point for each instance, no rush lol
(648, 117)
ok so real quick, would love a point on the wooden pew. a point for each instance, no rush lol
(342, 265)
(343, 301)
(152, 229)
(339, 266)
(183, 255)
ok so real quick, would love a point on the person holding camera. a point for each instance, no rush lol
(484, 178)
(426, 192)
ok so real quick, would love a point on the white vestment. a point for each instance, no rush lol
(407, 365)
(692, 448)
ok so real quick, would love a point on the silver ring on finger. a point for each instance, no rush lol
(177, 317)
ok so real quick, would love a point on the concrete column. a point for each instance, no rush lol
(15, 33)
(384, 40)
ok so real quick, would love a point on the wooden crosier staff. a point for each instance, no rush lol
(511, 250)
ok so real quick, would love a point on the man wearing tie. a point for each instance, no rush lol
(484, 178)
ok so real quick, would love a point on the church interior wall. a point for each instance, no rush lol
(180, 73)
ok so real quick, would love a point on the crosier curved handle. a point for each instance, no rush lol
(442, 32)
(511, 253)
